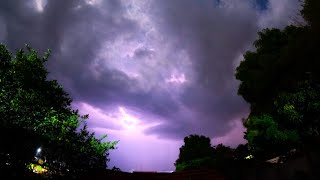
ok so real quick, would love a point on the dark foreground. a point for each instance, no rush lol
(188, 175)
(301, 167)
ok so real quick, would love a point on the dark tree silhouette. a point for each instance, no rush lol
(36, 112)
(280, 80)
(196, 152)
(311, 13)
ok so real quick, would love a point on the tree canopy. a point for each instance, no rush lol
(280, 80)
(36, 112)
(196, 152)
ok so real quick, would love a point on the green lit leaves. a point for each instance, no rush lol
(289, 113)
(300, 109)
(34, 105)
(205, 162)
(5, 57)
(295, 119)
(263, 132)
(46, 55)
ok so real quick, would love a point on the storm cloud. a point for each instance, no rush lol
(165, 66)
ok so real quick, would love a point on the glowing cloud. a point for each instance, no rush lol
(93, 2)
(39, 5)
(177, 79)
(127, 120)
(147, 69)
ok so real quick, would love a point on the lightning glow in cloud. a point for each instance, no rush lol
(128, 121)
(40, 4)
(146, 69)
(180, 79)
(93, 2)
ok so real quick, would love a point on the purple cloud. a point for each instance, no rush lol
(147, 72)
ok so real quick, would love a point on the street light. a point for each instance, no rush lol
(39, 150)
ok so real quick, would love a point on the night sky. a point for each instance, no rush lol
(148, 72)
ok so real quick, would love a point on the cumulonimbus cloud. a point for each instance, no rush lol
(174, 60)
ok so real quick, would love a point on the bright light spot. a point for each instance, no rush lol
(93, 2)
(177, 79)
(40, 5)
(36, 168)
(249, 157)
(127, 120)
(38, 150)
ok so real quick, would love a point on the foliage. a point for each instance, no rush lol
(37, 112)
(280, 80)
(270, 69)
(310, 12)
(266, 138)
(196, 152)
(37, 168)
(242, 152)
(224, 157)
(300, 110)
(223, 152)
(206, 162)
